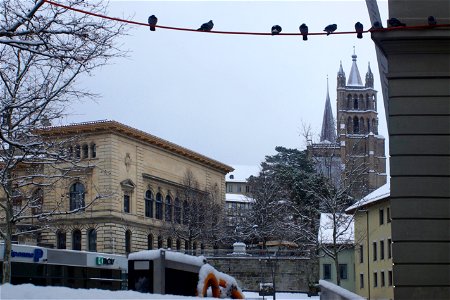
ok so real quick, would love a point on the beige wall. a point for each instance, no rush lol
(367, 236)
(121, 158)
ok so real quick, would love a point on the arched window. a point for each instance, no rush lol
(186, 246)
(361, 125)
(149, 242)
(355, 103)
(77, 192)
(37, 201)
(361, 101)
(149, 204)
(168, 208)
(185, 212)
(374, 126)
(368, 102)
(178, 245)
(92, 240)
(349, 125)
(349, 102)
(127, 241)
(159, 206)
(169, 243)
(177, 212)
(85, 151)
(93, 151)
(76, 240)
(77, 151)
(368, 126)
(60, 239)
(355, 125)
(160, 242)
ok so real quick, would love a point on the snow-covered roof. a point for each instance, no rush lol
(242, 172)
(238, 198)
(345, 230)
(379, 194)
(173, 256)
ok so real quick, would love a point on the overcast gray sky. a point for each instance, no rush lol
(233, 98)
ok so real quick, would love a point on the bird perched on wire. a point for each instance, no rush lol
(330, 28)
(276, 29)
(207, 26)
(152, 20)
(432, 21)
(304, 31)
(359, 28)
(394, 22)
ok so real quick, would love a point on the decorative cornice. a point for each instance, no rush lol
(128, 131)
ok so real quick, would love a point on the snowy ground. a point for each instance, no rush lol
(29, 291)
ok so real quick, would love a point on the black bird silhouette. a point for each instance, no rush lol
(276, 29)
(394, 22)
(330, 28)
(152, 20)
(207, 26)
(432, 21)
(304, 31)
(359, 28)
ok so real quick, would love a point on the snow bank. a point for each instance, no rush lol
(170, 255)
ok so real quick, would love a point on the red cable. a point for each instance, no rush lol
(239, 32)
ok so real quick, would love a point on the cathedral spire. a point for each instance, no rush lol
(328, 133)
(369, 77)
(341, 77)
(354, 78)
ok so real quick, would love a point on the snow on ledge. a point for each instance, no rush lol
(328, 290)
(170, 255)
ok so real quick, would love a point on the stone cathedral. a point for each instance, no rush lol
(350, 144)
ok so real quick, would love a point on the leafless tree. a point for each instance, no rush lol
(43, 50)
(344, 180)
(202, 212)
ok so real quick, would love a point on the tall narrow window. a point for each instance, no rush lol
(388, 215)
(85, 151)
(361, 254)
(390, 278)
(76, 240)
(383, 280)
(77, 151)
(361, 281)
(374, 248)
(381, 249)
(150, 242)
(375, 279)
(168, 208)
(185, 212)
(159, 206)
(169, 243)
(126, 202)
(389, 248)
(37, 201)
(326, 271)
(76, 195)
(355, 103)
(92, 240)
(149, 204)
(178, 245)
(61, 239)
(381, 212)
(93, 151)
(160, 242)
(343, 271)
(177, 212)
(127, 241)
(355, 125)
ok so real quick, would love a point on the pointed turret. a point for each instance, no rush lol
(328, 133)
(354, 78)
(340, 77)
(369, 78)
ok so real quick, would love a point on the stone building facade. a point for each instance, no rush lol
(356, 142)
(141, 178)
